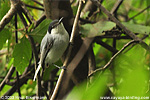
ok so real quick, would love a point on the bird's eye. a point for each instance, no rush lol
(54, 26)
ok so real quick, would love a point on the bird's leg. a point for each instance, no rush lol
(62, 67)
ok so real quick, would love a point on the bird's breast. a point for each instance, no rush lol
(59, 46)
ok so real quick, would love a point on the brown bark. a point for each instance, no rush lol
(55, 10)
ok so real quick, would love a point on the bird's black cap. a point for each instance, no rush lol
(53, 24)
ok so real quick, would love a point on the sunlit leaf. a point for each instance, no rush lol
(96, 90)
(135, 28)
(131, 75)
(22, 55)
(4, 7)
(4, 35)
(97, 29)
(40, 31)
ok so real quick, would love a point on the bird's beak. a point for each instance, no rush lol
(60, 20)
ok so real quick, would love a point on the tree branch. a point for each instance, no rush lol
(34, 7)
(38, 2)
(8, 76)
(23, 79)
(69, 53)
(6, 19)
(99, 41)
(113, 57)
(18, 82)
(139, 13)
(116, 6)
(127, 31)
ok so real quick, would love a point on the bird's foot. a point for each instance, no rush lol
(62, 67)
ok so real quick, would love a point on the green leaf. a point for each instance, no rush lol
(46, 75)
(40, 31)
(22, 54)
(4, 35)
(10, 63)
(97, 29)
(31, 27)
(134, 84)
(96, 90)
(131, 74)
(4, 7)
(141, 29)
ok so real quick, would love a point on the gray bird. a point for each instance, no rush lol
(53, 44)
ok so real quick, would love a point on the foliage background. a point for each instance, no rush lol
(128, 75)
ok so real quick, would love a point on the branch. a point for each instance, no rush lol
(8, 76)
(78, 57)
(18, 82)
(113, 57)
(127, 31)
(34, 53)
(69, 53)
(6, 19)
(39, 20)
(99, 41)
(34, 7)
(38, 2)
(91, 62)
(16, 29)
(26, 14)
(139, 13)
(23, 80)
(116, 6)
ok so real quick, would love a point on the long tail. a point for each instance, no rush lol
(37, 70)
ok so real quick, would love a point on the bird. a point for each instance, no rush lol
(53, 44)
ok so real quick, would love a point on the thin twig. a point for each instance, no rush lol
(43, 17)
(108, 47)
(45, 92)
(6, 19)
(16, 29)
(23, 19)
(78, 57)
(116, 6)
(34, 7)
(8, 76)
(34, 53)
(139, 13)
(38, 2)
(23, 79)
(127, 31)
(113, 57)
(18, 87)
(91, 62)
(26, 14)
(69, 53)
(17, 75)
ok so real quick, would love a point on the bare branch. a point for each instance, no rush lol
(34, 7)
(127, 31)
(38, 2)
(23, 79)
(108, 47)
(91, 62)
(6, 19)
(139, 13)
(16, 29)
(8, 76)
(113, 57)
(18, 82)
(39, 20)
(69, 53)
(116, 6)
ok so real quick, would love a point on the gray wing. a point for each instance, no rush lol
(46, 45)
